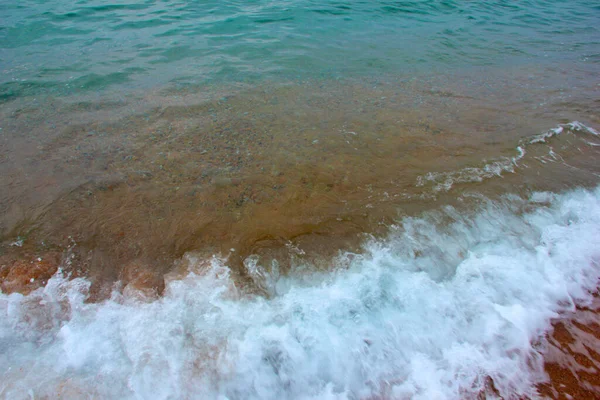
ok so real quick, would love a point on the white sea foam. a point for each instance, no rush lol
(443, 181)
(447, 300)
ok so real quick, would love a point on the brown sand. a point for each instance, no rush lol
(314, 166)
(118, 191)
(572, 358)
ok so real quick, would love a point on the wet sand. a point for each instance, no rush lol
(572, 356)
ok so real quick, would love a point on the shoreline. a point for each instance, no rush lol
(564, 346)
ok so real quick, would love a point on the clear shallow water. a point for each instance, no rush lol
(447, 300)
(62, 47)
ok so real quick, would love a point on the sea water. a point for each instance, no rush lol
(385, 324)
(63, 47)
(294, 199)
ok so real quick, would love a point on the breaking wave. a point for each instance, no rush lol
(445, 302)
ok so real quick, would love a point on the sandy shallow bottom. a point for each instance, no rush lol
(281, 179)
(495, 302)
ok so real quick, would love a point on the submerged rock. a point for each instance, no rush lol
(26, 275)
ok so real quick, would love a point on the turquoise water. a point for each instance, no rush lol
(62, 46)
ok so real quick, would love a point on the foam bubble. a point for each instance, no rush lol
(444, 302)
(444, 181)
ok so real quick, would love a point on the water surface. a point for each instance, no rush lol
(298, 199)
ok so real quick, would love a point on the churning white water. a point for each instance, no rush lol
(445, 301)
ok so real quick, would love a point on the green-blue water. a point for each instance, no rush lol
(59, 46)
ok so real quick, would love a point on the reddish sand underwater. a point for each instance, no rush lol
(118, 192)
(571, 350)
